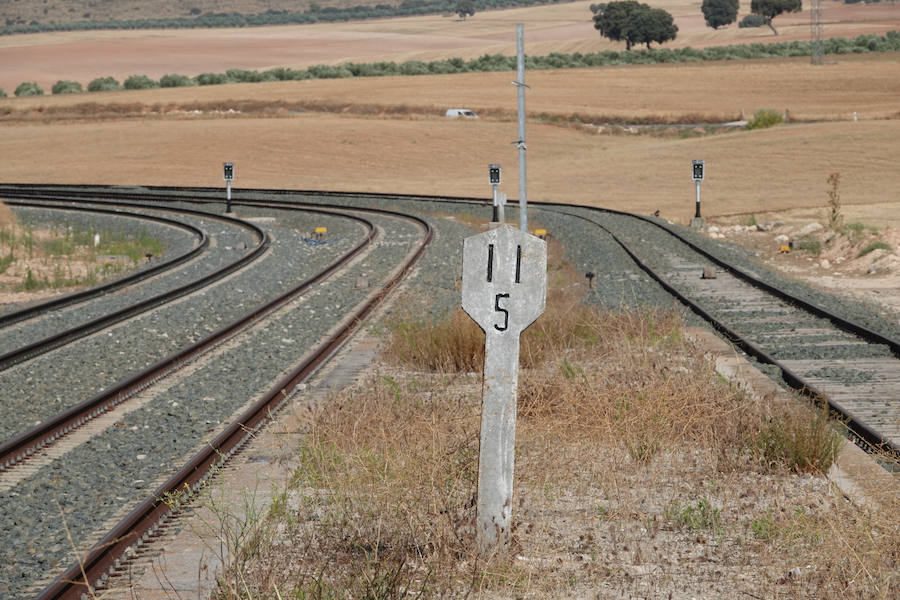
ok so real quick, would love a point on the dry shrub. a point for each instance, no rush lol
(386, 484)
(453, 344)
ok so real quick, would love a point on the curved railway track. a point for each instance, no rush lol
(226, 442)
(829, 358)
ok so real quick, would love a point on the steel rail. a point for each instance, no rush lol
(104, 288)
(62, 338)
(24, 445)
(139, 525)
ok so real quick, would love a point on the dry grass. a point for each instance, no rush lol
(637, 474)
(7, 218)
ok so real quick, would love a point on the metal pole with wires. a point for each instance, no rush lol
(520, 143)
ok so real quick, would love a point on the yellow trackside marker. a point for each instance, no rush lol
(321, 230)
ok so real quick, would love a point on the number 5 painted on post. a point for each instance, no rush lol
(500, 309)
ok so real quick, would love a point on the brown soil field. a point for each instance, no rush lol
(83, 56)
(748, 172)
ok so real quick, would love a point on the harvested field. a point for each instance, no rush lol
(712, 91)
(767, 170)
(83, 56)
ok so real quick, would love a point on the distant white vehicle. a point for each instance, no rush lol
(455, 113)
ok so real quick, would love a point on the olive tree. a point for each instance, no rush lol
(465, 8)
(719, 13)
(634, 23)
(772, 8)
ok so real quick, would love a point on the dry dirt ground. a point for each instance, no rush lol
(83, 56)
(873, 278)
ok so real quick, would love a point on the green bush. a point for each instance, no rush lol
(284, 74)
(752, 21)
(175, 80)
(29, 88)
(104, 84)
(140, 82)
(414, 67)
(245, 76)
(329, 72)
(2, 93)
(67, 87)
(765, 117)
(808, 244)
(210, 79)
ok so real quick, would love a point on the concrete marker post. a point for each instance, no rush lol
(504, 289)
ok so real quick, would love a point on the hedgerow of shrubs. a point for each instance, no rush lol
(66, 87)
(271, 17)
(890, 42)
(29, 88)
(104, 84)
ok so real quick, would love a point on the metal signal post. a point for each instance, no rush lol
(697, 176)
(494, 176)
(228, 176)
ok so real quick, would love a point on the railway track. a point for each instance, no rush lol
(825, 355)
(229, 439)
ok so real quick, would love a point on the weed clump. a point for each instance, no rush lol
(873, 246)
(765, 118)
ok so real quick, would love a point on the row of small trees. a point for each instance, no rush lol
(890, 42)
(634, 23)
